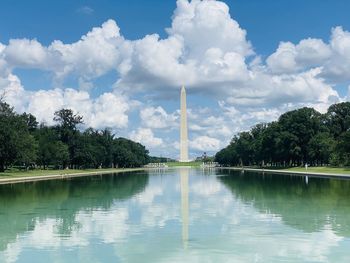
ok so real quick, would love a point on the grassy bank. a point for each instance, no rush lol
(323, 169)
(177, 164)
(38, 172)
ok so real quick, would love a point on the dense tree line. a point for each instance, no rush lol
(25, 143)
(297, 137)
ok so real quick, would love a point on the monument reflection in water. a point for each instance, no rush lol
(184, 172)
(176, 215)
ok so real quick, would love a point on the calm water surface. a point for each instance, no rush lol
(177, 215)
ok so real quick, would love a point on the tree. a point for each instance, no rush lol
(67, 119)
(342, 149)
(244, 147)
(16, 143)
(257, 133)
(338, 118)
(27, 150)
(321, 147)
(106, 139)
(30, 121)
(299, 127)
(51, 151)
(227, 156)
(270, 141)
(127, 153)
(299, 136)
(23, 142)
(60, 155)
(8, 146)
(67, 130)
(89, 151)
(289, 149)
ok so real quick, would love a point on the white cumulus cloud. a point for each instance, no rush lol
(205, 143)
(205, 49)
(146, 137)
(157, 117)
(290, 58)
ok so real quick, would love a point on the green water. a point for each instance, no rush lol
(177, 215)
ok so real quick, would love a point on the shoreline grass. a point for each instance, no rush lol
(178, 164)
(320, 169)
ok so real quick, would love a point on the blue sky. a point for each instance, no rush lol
(267, 21)
(236, 75)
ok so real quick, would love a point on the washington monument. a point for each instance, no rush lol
(183, 128)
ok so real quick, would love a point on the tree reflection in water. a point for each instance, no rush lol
(318, 204)
(22, 205)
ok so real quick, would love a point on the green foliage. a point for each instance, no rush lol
(67, 120)
(228, 156)
(17, 145)
(51, 150)
(321, 147)
(338, 118)
(30, 121)
(24, 143)
(127, 153)
(67, 124)
(298, 137)
(343, 148)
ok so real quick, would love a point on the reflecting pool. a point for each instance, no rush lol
(176, 215)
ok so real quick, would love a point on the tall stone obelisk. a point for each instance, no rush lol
(183, 128)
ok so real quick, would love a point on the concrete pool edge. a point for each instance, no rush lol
(36, 178)
(311, 174)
